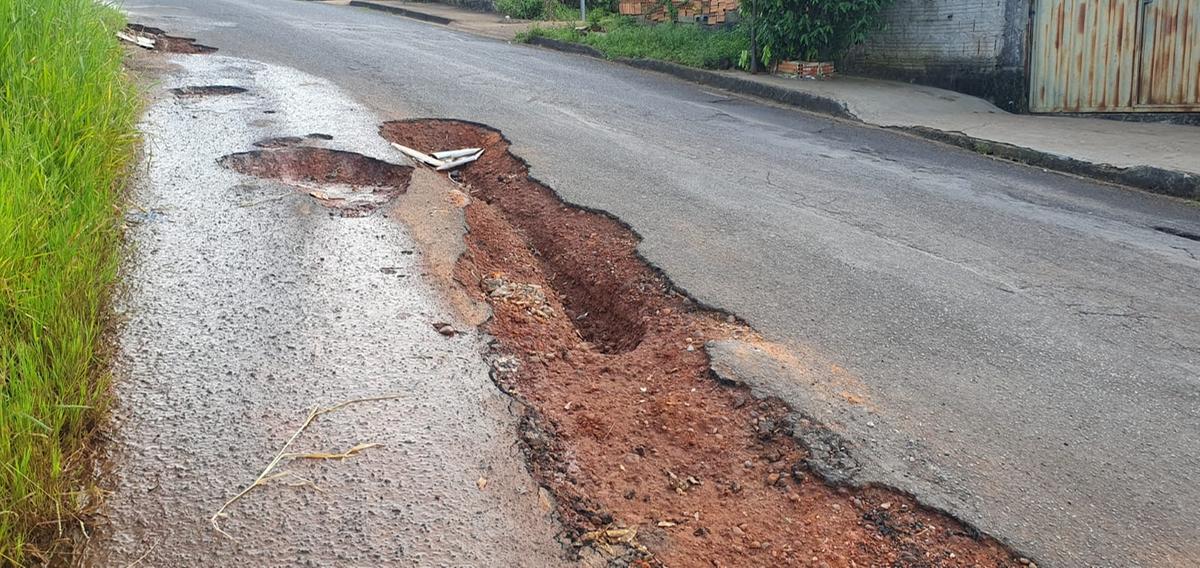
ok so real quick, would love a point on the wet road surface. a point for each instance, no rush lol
(1019, 348)
(248, 303)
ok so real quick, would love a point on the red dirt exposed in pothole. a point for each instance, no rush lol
(352, 184)
(169, 43)
(627, 427)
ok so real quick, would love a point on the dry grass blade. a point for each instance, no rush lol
(266, 476)
(338, 456)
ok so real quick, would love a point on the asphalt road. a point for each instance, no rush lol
(248, 305)
(1025, 344)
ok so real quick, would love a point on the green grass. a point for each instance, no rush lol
(685, 44)
(67, 116)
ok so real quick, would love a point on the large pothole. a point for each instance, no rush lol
(575, 249)
(168, 43)
(351, 184)
(649, 457)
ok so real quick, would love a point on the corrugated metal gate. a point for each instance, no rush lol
(1115, 56)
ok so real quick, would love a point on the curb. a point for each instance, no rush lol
(401, 12)
(808, 101)
(1147, 178)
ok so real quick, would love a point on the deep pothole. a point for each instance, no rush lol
(570, 244)
(167, 43)
(351, 184)
(649, 459)
(207, 90)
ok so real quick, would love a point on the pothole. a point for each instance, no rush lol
(1178, 233)
(286, 141)
(279, 142)
(168, 43)
(351, 184)
(649, 458)
(605, 309)
(207, 90)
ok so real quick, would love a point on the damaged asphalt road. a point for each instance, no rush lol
(1018, 348)
(249, 301)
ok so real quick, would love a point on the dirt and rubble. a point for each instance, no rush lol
(652, 461)
(168, 43)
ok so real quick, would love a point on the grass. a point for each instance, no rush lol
(686, 44)
(67, 116)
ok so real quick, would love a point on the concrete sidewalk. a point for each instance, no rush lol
(1162, 158)
(1096, 140)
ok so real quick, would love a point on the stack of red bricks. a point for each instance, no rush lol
(709, 11)
(805, 69)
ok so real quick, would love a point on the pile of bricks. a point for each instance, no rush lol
(805, 69)
(712, 12)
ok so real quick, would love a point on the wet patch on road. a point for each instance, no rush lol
(169, 43)
(650, 458)
(349, 183)
(207, 90)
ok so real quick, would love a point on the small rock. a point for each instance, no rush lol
(1024, 561)
(738, 531)
(885, 506)
(772, 479)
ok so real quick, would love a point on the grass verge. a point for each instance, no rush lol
(66, 138)
(686, 44)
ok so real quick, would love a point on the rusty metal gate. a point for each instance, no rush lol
(1115, 56)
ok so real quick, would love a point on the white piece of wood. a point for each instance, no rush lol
(448, 154)
(137, 40)
(460, 162)
(419, 156)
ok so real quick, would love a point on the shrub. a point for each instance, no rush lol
(521, 9)
(687, 44)
(814, 30)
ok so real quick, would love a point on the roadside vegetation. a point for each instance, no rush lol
(550, 10)
(67, 117)
(622, 36)
(811, 30)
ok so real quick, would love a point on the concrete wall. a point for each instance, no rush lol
(971, 46)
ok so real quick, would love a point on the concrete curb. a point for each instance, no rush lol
(401, 12)
(1152, 179)
(1147, 178)
(795, 98)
